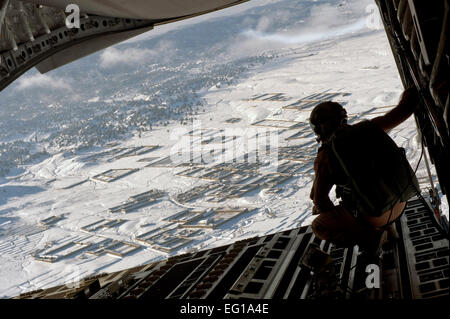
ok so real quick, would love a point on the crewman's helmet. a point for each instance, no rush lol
(325, 119)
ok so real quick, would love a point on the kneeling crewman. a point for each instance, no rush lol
(372, 175)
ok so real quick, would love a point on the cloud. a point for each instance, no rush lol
(230, 11)
(43, 81)
(328, 16)
(114, 56)
(322, 22)
(308, 37)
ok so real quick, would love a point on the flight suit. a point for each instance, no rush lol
(339, 224)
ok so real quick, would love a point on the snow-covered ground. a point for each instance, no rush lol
(359, 66)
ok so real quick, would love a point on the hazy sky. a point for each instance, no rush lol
(324, 15)
(221, 13)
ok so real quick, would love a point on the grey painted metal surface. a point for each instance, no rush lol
(142, 9)
(3, 5)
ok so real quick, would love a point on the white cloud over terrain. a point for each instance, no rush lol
(324, 21)
(43, 81)
(114, 56)
(310, 37)
(234, 10)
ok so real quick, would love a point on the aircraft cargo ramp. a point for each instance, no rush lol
(413, 266)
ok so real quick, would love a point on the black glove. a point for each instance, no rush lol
(410, 97)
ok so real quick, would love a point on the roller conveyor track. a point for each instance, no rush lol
(414, 266)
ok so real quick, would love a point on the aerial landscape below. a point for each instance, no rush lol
(199, 139)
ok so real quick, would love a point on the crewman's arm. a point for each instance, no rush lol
(399, 114)
(322, 185)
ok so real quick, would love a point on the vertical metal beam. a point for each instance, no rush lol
(3, 6)
(24, 17)
(10, 36)
(42, 20)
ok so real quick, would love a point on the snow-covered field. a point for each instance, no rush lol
(359, 66)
